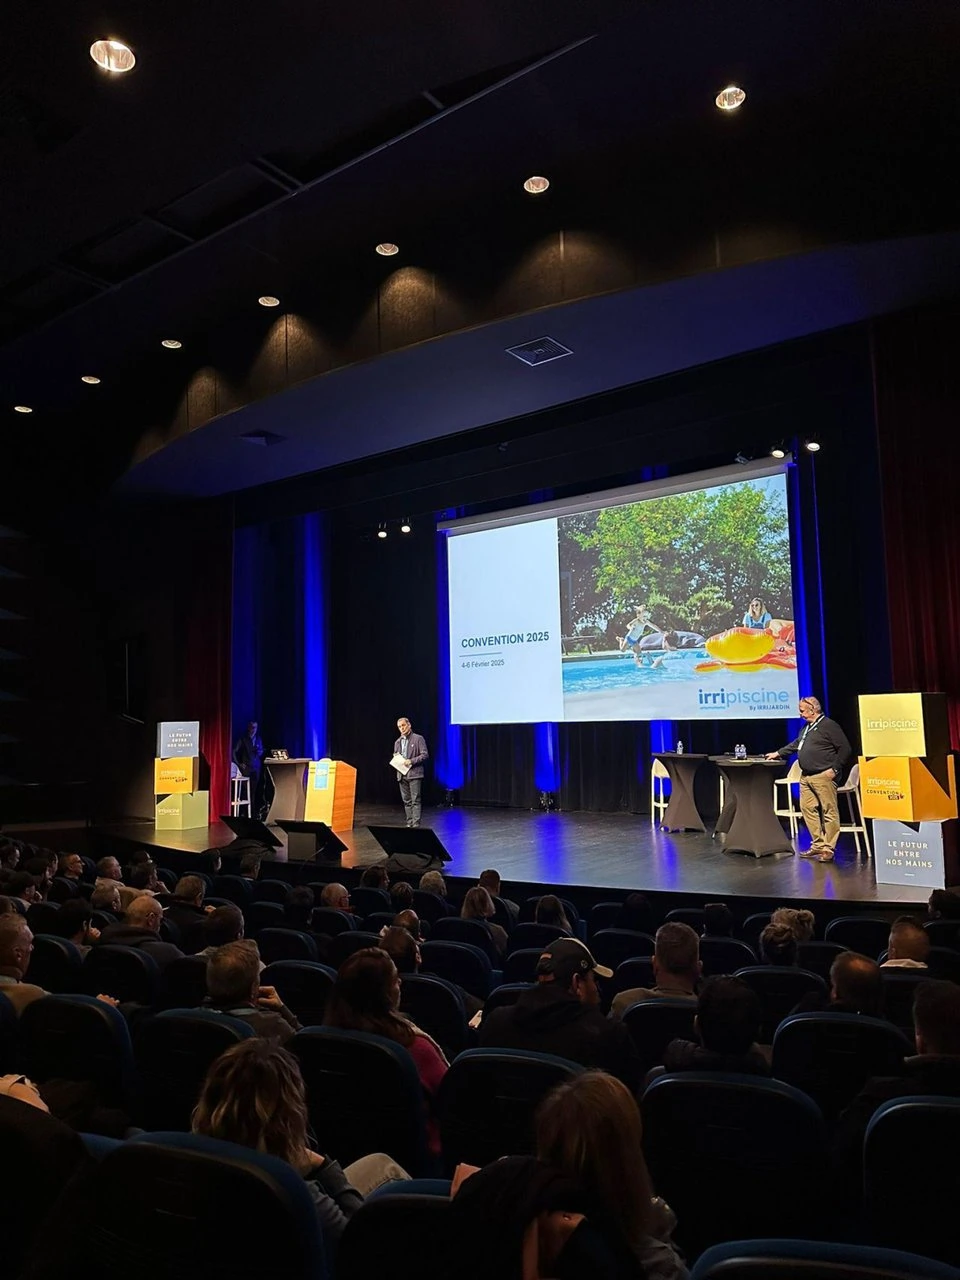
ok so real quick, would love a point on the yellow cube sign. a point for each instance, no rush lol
(176, 775)
(183, 810)
(904, 789)
(904, 724)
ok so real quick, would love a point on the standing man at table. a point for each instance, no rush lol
(248, 757)
(410, 746)
(822, 752)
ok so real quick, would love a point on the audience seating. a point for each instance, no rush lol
(75, 1037)
(725, 955)
(944, 962)
(56, 965)
(528, 910)
(62, 889)
(502, 916)
(637, 972)
(818, 957)
(378, 920)
(42, 916)
(173, 1052)
(865, 934)
(363, 1095)
(507, 993)
(830, 1056)
(9, 1036)
(654, 1023)
(236, 889)
(612, 946)
(813, 1260)
(459, 962)
(528, 935)
(276, 891)
(693, 916)
(471, 932)
(733, 1154)
(326, 920)
(943, 933)
(263, 915)
(521, 966)
(366, 900)
(487, 1102)
(910, 1178)
(183, 983)
(303, 986)
(780, 988)
(603, 916)
(285, 944)
(429, 906)
(753, 926)
(371, 1244)
(345, 944)
(437, 1008)
(899, 988)
(125, 973)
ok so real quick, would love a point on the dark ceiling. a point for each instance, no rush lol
(257, 151)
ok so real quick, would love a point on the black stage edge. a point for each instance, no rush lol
(599, 854)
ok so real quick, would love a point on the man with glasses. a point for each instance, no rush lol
(822, 753)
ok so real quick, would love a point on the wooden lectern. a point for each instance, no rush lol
(331, 790)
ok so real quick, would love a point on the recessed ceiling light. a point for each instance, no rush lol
(813, 446)
(387, 250)
(382, 530)
(172, 344)
(113, 56)
(778, 451)
(268, 300)
(730, 98)
(90, 380)
(22, 408)
(536, 186)
(405, 526)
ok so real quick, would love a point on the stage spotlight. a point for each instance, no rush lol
(90, 379)
(730, 98)
(387, 250)
(22, 408)
(113, 56)
(172, 344)
(536, 185)
(268, 300)
(405, 525)
(778, 451)
(813, 445)
(382, 530)
(548, 802)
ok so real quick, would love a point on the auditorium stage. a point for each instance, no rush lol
(593, 850)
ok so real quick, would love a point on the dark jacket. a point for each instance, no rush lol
(548, 1019)
(820, 746)
(685, 1055)
(416, 751)
(127, 935)
(278, 1024)
(189, 920)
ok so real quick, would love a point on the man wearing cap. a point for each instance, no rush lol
(561, 1015)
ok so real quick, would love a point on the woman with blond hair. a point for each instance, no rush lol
(589, 1129)
(254, 1096)
(478, 905)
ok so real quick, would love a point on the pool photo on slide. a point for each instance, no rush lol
(590, 675)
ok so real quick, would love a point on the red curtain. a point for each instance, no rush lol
(917, 387)
(209, 628)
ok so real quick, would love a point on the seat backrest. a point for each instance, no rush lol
(303, 986)
(818, 957)
(724, 955)
(437, 1008)
(654, 1023)
(236, 889)
(429, 906)
(327, 920)
(363, 1095)
(612, 946)
(487, 1101)
(459, 962)
(521, 966)
(76, 1037)
(603, 916)
(534, 935)
(55, 965)
(42, 917)
(62, 889)
(168, 877)
(368, 1246)
(263, 915)
(9, 1036)
(285, 944)
(693, 916)
(780, 988)
(899, 989)
(707, 1140)
(830, 1056)
(943, 933)
(528, 910)
(866, 934)
(753, 926)
(944, 962)
(634, 973)
(853, 779)
(815, 1260)
(345, 944)
(365, 900)
(659, 770)
(472, 932)
(506, 994)
(126, 973)
(271, 891)
(173, 1052)
(183, 983)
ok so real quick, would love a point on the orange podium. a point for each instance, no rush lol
(331, 791)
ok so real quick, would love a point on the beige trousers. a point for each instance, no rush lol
(818, 804)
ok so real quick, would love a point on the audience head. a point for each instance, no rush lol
(589, 1128)
(636, 914)
(145, 912)
(223, 925)
(8, 907)
(72, 921)
(366, 996)
(22, 885)
(855, 980)
(301, 895)
(144, 877)
(42, 870)
(717, 920)
(212, 862)
(936, 1017)
(70, 865)
(16, 944)
(190, 889)
(109, 869)
(676, 953)
(9, 856)
(728, 1016)
(800, 922)
(375, 878)
(402, 948)
(410, 921)
(908, 941)
(250, 865)
(490, 880)
(233, 973)
(433, 882)
(944, 904)
(401, 895)
(477, 905)
(139, 858)
(106, 897)
(254, 1096)
(778, 945)
(549, 910)
(569, 964)
(335, 897)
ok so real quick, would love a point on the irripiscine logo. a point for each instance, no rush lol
(749, 699)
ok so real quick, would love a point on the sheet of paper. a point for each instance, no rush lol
(401, 763)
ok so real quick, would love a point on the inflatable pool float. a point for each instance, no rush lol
(743, 649)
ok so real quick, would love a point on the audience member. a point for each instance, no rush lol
(188, 913)
(106, 897)
(717, 920)
(375, 877)
(676, 969)
(800, 922)
(636, 914)
(108, 869)
(73, 922)
(433, 882)
(233, 987)
(589, 1128)
(127, 894)
(490, 880)
(335, 898)
(144, 879)
(549, 910)
(212, 862)
(410, 921)
(8, 907)
(944, 904)
(908, 946)
(43, 870)
(478, 905)
(855, 987)
(299, 906)
(22, 885)
(778, 945)
(9, 855)
(70, 866)
(401, 896)
(140, 928)
(249, 867)
(728, 1025)
(403, 948)
(366, 997)
(223, 924)
(561, 1015)
(139, 858)
(254, 1096)
(16, 947)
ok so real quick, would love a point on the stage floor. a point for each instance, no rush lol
(596, 850)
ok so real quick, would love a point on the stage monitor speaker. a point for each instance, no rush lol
(250, 832)
(411, 849)
(311, 842)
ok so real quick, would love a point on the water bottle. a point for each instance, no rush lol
(679, 746)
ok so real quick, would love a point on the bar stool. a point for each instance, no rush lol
(790, 812)
(239, 792)
(857, 825)
(659, 798)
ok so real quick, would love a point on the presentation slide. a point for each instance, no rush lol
(672, 607)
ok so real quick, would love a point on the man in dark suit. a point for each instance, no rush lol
(248, 757)
(411, 746)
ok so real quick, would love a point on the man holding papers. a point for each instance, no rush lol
(409, 753)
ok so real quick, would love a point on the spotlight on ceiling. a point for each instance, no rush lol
(382, 530)
(536, 185)
(778, 451)
(113, 56)
(730, 98)
(387, 250)
(268, 300)
(172, 344)
(405, 526)
(90, 379)
(22, 408)
(813, 445)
